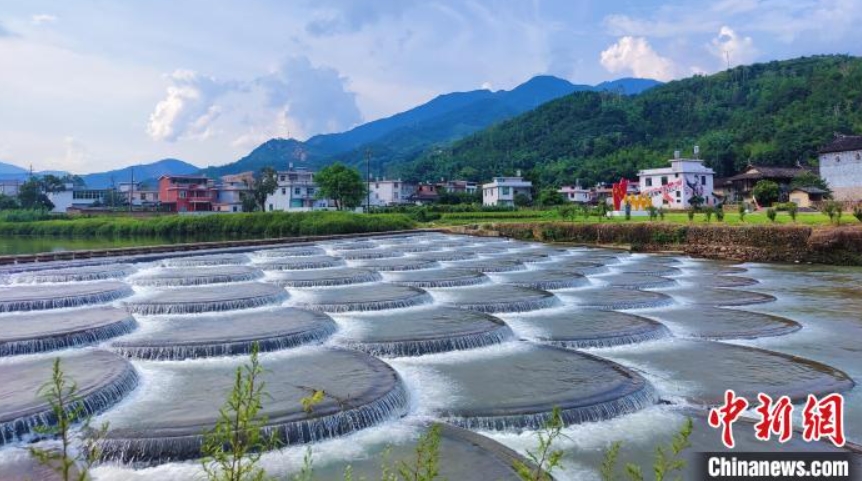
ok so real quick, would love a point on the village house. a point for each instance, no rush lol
(503, 190)
(841, 167)
(296, 191)
(807, 197)
(673, 187)
(186, 193)
(230, 191)
(738, 188)
(577, 194)
(390, 192)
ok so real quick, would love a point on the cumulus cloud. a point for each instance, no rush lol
(189, 108)
(43, 19)
(636, 55)
(728, 45)
(311, 99)
(348, 16)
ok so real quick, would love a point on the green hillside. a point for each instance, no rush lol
(774, 113)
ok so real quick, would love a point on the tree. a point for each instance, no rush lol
(342, 184)
(8, 202)
(549, 197)
(30, 196)
(766, 192)
(51, 183)
(262, 187)
(522, 200)
(808, 179)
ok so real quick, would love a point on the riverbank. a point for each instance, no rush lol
(754, 243)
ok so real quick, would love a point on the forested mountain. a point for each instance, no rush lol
(775, 113)
(406, 135)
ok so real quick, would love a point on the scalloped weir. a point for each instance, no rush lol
(76, 274)
(41, 297)
(376, 253)
(427, 331)
(397, 264)
(543, 279)
(720, 323)
(438, 278)
(103, 379)
(325, 277)
(588, 328)
(444, 256)
(204, 260)
(193, 300)
(498, 391)
(720, 296)
(300, 263)
(298, 251)
(53, 330)
(362, 298)
(613, 298)
(165, 422)
(228, 335)
(684, 365)
(493, 265)
(197, 276)
(498, 298)
(636, 281)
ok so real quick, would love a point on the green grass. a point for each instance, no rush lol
(755, 218)
(212, 227)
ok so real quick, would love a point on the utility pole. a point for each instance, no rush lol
(132, 190)
(367, 180)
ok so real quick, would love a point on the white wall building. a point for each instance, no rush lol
(576, 194)
(672, 187)
(502, 190)
(841, 167)
(295, 192)
(390, 192)
(65, 199)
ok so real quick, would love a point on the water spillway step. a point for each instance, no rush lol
(298, 251)
(636, 281)
(30, 333)
(300, 263)
(699, 296)
(493, 265)
(426, 331)
(325, 277)
(363, 298)
(544, 279)
(379, 253)
(719, 323)
(585, 328)
(498, 391)
(228, 334)
(207, 260)
(80, 273)
(193, 300)
(397, 264)
(615, 298)
(499, 298)
(196, 276)
(40, 297)
(445, 256)
(165, 423)
(746, 370)
(102, 379)
(438, 278)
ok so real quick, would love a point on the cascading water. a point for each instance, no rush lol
(193, 300)
(56, 296)
(61, 329)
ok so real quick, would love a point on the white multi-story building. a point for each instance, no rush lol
(503, 190)
(295, 192)
(673, 187)
(841, 167)
(230, 190)
(390, 192)
(576, 194)
(78, 198)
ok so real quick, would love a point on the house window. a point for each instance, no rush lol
(505, 190)
(283, 191)
(858, 156)
(703, 180)
(649, 181)
(182, 194)
(676, 176)
(296, 191)
(678, 194)
(664, 202)
(270, 206)
(664, 181)
(310, 191)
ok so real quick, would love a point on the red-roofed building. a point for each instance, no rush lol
(186, 193)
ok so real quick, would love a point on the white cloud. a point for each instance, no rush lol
(189, 108)
(335, 17)
(636, 55)
(310, 99)
(728, 45)
(43, 19)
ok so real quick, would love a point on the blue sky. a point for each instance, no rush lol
(89, 85)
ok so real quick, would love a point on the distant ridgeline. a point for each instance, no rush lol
(402, 137)
(776, 113)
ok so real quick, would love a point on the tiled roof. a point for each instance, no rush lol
(812, 190)
(843, 143)
(766, 172)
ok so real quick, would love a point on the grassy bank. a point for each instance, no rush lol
(212, 227)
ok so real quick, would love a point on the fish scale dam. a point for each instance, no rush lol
(487, 336)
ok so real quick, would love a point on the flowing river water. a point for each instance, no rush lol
(486, 335)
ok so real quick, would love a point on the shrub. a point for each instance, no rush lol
(653, 212)
(719, 214)
(833, 210)
(742, 212)
(661, 213)
(857, 212)
(792, 209)
(691, 213)
(708, 213)
(766, 192)
(770, 213)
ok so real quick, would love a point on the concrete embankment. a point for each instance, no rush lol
(755, 243)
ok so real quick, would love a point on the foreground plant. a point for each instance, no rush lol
(71, 462)
(667, 462)
(232, 449)
(545, 458)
